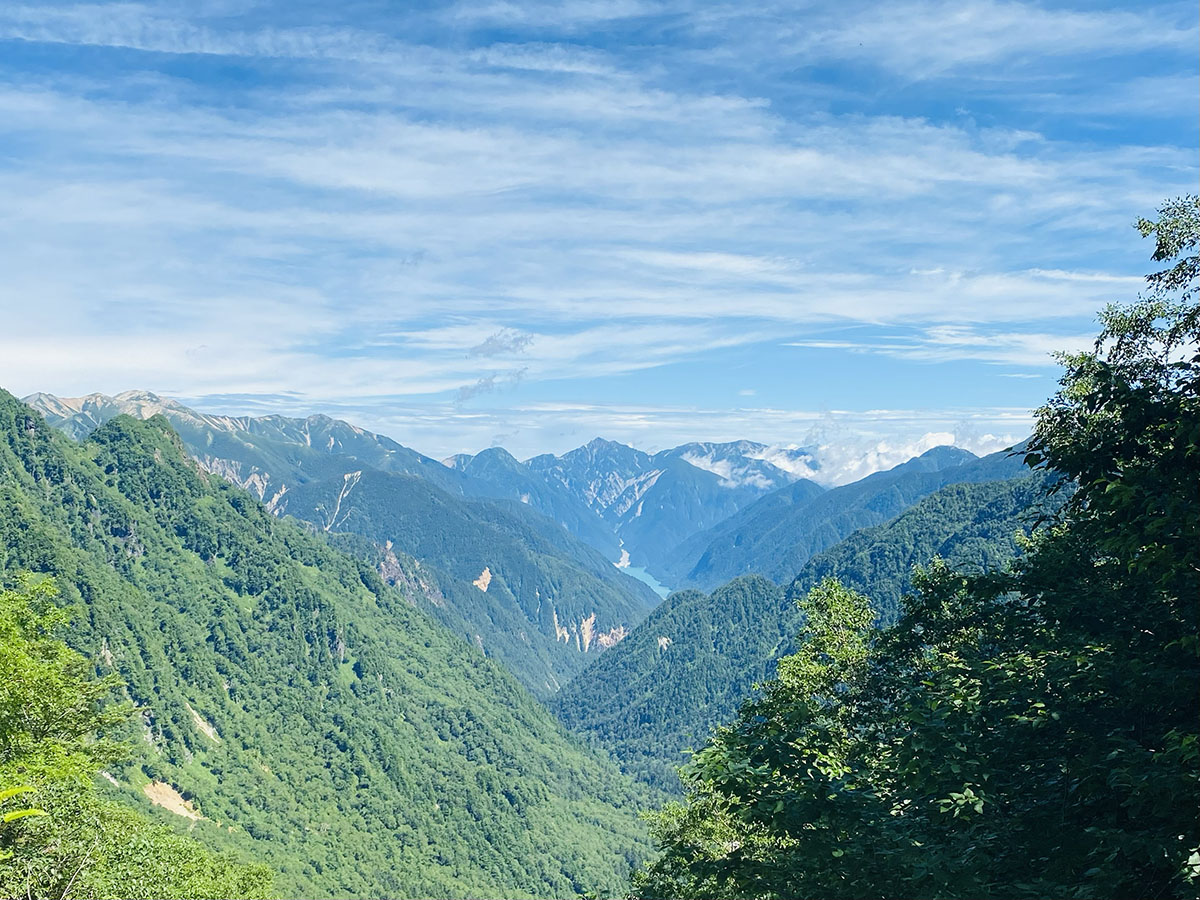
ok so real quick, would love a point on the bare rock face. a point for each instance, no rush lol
(585, 636)
(612, 637)
(410, 576)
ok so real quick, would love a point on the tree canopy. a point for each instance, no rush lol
(55, 720)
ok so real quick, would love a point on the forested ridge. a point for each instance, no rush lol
(686, 669)
(486, 513)
(778, 534)
(541, 585)
(312, 717)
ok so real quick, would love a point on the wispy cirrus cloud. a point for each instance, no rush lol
(929, 39)
(943, 343)
(568, 15)
(361, 212)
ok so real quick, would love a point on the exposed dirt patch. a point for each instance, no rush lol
(612, 637)
(484, 579)
(162, 794)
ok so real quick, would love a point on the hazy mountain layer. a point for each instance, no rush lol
(266, 455)
(497, 474)
(778, 534)
(654, 502)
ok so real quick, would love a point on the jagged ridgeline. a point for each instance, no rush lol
(653, 502)
(692, 662)
(296, 707)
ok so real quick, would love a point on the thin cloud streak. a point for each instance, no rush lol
(930, 39)
(615, 189)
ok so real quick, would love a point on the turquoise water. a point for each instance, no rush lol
(642, 575)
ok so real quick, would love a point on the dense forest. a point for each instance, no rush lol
(543, 549)
(694, 660)
(779, 533)
(291, 706)
(76, 841)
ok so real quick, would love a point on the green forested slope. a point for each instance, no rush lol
(547, 603)
(973, 526)
(319, 468)
(311, 714)
(59, 837)
(662, 689)
(689, 665)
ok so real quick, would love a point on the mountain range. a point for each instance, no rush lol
(608, 494)
(518, 554)
(267, 583)
(652, 502)
(778, 533)
(524, 560)
(612, 496)
(476, 543)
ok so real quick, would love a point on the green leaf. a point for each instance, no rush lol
(22, 814)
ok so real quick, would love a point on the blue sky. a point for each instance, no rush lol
(531, 223)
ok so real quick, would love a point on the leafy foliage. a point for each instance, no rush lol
(311, 714)
(53, 718)
(1031, 733)
(976, 527)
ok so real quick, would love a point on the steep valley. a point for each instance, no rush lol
(693, 661)
(463, 558)
(552, 598)
(310, 715)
